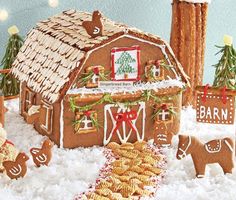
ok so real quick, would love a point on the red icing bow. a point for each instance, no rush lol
(96, 70)
(126, 117)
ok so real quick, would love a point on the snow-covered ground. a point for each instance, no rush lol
(71, 171)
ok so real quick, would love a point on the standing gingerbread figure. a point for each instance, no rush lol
(163, 118)
(216, 151)
(161, 136)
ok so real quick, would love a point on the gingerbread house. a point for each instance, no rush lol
(86, 80)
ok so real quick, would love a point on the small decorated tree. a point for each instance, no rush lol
(10, 85)
(125, 60)
(225, 74)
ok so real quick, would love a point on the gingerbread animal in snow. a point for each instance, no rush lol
(95, 27)
(162, 137)
(43, 155)
(216, 151)
(16, 169)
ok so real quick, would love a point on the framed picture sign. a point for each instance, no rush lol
(215, 105)
(125, 63)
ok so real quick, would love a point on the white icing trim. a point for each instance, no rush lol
(35, 151)
(214, 150)
(20, 100)
(130, 89)
(200, 176)
(41, 158)
(184, 151)
(46, 125)
(162, 48)
(229, 146)
(61, 124)
(122, 108)
(16, 171)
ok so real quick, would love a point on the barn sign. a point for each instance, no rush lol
(215, 106)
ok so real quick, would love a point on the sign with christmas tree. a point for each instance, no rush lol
(126, 63)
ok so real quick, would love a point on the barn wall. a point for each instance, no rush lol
(71, 139)
(55, 135)
(102, 56)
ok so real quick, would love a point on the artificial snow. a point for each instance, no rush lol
(72, 171)
(69, 173)
(170, 83)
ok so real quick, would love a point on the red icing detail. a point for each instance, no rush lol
(8, 142)
(224, 100)
(126, 117)
(164, 107)
(158, 63)
(205, 92)
(87, 113)
(96, 70)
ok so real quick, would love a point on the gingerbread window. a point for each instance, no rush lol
(94, 74)
(154, 71)
(46, 117)
(85, 122)
(164, 112)
(30, 99)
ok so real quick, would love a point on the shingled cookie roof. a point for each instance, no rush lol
(55, 47)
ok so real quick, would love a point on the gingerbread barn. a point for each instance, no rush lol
(86, 80)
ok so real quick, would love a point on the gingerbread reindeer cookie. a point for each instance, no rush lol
(219, 151)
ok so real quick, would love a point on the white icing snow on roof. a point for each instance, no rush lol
(135, 88)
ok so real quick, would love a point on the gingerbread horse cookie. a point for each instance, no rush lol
(216, 151)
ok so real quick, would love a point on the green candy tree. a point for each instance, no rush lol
(225, 73)
(9, 85)
(125, 60)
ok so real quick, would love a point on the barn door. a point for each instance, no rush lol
(124, 122)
